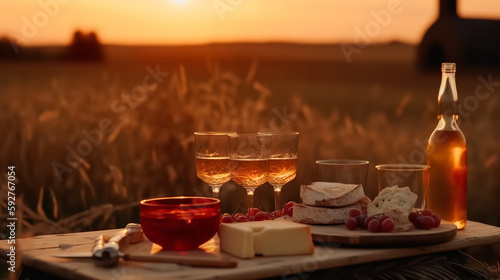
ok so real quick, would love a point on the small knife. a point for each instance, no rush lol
(107, 251)
(191, 261)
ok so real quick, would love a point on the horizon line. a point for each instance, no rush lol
(226, 43)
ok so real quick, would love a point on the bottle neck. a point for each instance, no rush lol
(448, 98)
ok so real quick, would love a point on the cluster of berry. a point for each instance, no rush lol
(374, 223)
(255, 214)
(424, 219)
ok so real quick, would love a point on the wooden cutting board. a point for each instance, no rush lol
(340, 234)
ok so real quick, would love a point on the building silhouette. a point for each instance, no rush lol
(467, 42)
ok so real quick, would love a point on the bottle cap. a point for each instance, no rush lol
(448, 67)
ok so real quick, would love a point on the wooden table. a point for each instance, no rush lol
(37, 254)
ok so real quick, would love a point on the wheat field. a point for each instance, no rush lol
(89, 141)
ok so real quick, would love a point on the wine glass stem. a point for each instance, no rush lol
(215, 190)
(277, 193)
(249, 199)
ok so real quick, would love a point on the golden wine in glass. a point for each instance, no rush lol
(212, 159)
(282, 161)
(249, 154)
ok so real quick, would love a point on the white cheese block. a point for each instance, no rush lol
(265, 238)
(331, 194)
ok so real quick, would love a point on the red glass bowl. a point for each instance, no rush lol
(180, 223)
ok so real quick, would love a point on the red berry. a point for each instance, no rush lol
(242, 219)
(237, 215)
(261, 216)
(287, 206)
(413, 217)
(425, 222)
(290, 212)
(227, 219)
(387, 225)
(437, 220)
(374, 225)
(361, 221)
(426, 212)
(368, 220)
(351, 223)
(354, 213)
(253, 211)
(275, 214)
(383, 218)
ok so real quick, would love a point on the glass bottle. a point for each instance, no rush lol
(447, 156)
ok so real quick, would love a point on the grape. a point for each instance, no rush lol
(290, 212)
(413, 216)
(425, 222)
(275, 214)
(287, 206)
(354, 213)
(253, 211)
(374, 225)
(227, 219)
(242, 219)
(368, 220)
(261, 216)
(387, 225)
(361, 221)
(426, 212)
(351, 223)
(437, 220)
(383, 218)
(416, 223)
(237, 215)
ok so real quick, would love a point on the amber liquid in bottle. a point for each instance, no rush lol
(447, 157)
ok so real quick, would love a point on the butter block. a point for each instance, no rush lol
(265, 238)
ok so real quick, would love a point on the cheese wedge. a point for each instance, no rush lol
(265, 238)
(307, 214)
(402, 199)
(396, 203)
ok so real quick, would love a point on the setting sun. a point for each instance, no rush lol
(180, 2)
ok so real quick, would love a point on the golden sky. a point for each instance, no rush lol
(40, 22)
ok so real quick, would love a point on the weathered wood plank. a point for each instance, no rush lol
(37, 253)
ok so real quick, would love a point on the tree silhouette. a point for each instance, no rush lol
(85, 47)
(9, 49)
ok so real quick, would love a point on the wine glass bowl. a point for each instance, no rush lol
(212, 159)
(282, 161)
(249, 173)
(249, 161)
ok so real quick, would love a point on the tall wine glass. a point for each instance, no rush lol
(249, 154)
(212, 159)
(282, 162)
